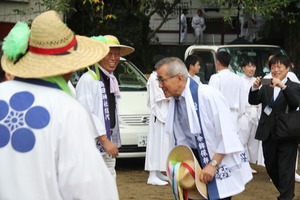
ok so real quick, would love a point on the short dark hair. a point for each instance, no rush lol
(224, 58)
(279, 58)
(191, 60)
(248, 60)
(157, 58)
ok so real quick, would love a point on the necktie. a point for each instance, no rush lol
(181, 124)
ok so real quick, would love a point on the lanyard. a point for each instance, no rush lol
(97, 76)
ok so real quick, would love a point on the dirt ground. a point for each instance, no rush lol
(132, 184)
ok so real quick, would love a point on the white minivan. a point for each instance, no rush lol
(207, 54)
(133, 111)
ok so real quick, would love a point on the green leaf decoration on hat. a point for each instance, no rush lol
(100, 38)
(16, 42)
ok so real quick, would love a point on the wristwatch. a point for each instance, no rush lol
(214, 163)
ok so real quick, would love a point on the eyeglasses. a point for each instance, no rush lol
(116, 55)
(162, 80)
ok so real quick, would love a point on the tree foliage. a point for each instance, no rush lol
(60, 6)
(128, 20)
(270, 9)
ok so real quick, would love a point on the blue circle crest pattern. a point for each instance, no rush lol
(18, 118)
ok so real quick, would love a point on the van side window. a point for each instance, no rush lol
(207, 65)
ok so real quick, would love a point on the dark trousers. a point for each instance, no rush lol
(280, 161)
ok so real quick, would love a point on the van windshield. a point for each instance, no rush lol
(259, 54)
(130, 78)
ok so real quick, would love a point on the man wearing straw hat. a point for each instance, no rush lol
(46, 137)
(97, 90)
(198, 118)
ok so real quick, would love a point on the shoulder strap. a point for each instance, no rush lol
(97, 76)
(201, 145)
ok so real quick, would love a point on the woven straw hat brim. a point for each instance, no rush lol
(125, 50)
(183, 153)
(33, 65)
(201, 187)
(112, 41)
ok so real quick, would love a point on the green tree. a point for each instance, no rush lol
(128, 20)
(60, 6)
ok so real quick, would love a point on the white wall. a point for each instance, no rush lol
(167, 33)
(7, 7)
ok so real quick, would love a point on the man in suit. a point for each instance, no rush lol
(280, 156)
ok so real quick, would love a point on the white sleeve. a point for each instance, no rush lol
(193, 22)
(82, 172)
(292, 76)
(202, 21)
(182, 21)
(157, 100)
(215, 112)
(214, 81)
(88, 93)
(243, 98)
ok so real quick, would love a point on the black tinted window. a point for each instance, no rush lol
(207, 65)
(259, 54)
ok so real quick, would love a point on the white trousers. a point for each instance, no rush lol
(183, 36)
(198, 36)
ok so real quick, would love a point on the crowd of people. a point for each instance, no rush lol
(65, 148)
(197, 23)
(198, 119)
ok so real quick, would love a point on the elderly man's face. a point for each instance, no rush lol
(171, 85)
(111, 60)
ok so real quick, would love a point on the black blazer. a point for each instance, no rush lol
(289, 96)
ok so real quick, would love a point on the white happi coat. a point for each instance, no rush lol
(47, 147)
(231, 86)
(89, 94)
(248, 123)
(220, 135)
(158, 142)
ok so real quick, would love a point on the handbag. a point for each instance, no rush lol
(288, 125)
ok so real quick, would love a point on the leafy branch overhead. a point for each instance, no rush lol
(60, 6)
(287, 10)
(143, 9)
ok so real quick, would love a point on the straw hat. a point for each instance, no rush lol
(54, 50)
(185, 168)
(112, 41)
